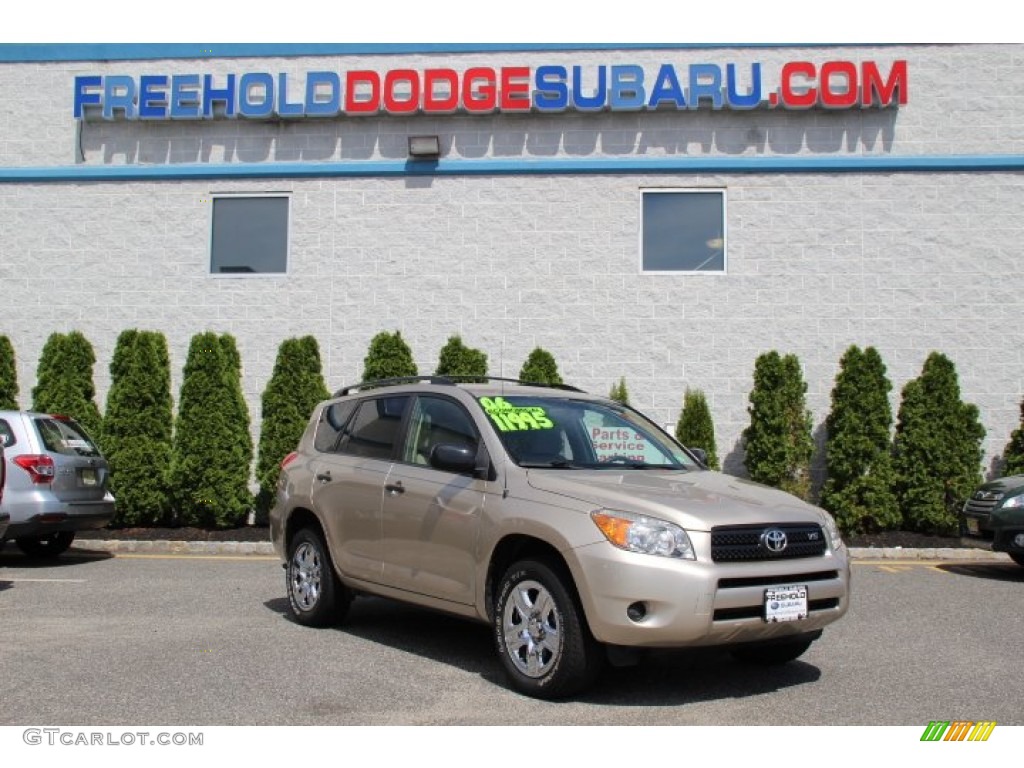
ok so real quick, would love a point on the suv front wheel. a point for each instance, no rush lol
(316, 596)
(542, 637)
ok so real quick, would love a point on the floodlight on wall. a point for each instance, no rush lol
(424, 147)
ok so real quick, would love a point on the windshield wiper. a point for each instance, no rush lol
(634, 465)
(554, 464)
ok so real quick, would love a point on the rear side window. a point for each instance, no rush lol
(64, 436)
(332, 420)
(7, 438)
(375, 428)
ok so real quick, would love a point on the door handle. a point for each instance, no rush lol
(324, 477)
(394, 489)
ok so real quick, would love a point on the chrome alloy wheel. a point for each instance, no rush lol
(304, 574)
(530, 622)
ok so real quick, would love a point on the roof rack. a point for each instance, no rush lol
(449, 381)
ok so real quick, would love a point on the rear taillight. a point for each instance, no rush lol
(289, 459)
(39, 467)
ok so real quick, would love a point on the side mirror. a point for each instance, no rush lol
(701, 454)
(453, 457)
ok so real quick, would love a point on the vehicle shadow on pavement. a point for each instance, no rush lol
(689, 676)
(13, 558)
(992, 571)
(662, 677)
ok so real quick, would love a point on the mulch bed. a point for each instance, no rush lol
(903, 539)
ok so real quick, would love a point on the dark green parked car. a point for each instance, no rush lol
(994, 517)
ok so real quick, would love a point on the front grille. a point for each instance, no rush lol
(757, 611)
(976, 506)
(737, 543)
(768, 581)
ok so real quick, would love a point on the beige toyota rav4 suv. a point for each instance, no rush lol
(574, 526)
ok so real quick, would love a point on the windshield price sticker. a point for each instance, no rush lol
(512, 418)
(785, 603)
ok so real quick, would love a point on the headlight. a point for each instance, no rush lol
(1014, 502)
(647, 535)
(835, 539)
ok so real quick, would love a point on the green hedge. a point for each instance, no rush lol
(695, 428)
(937, 449)
(212, 449)
(294, 389)
(859, 485)
(138, 427)
(64, 382)
(8, 376)
(778, 440)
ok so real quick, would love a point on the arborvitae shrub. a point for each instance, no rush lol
(695, 429)
(456, 359)
(859, 485)
(619, 393)
(778, 440)
(137, 428)
(388, 357)
(8, 376)
(64, 382)
(1013, 454)
(294, 389)
(937, 449)
(242, 455)
(540, 368)
(210, 463)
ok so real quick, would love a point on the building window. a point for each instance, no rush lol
(250, 235)
(683, 231)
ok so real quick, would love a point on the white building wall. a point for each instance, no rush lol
(909, 262)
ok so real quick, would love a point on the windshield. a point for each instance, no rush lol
(572, 433)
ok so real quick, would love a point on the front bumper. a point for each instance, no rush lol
(1000, 531)
(699, 603)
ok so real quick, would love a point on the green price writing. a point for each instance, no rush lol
(512, 418)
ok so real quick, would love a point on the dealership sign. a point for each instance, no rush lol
(486, 90)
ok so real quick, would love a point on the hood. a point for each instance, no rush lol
(1003, 485)
(696, 500)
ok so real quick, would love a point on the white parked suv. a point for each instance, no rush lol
(573, 525)
(56, 482)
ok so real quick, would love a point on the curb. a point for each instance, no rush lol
(165, 547)
(263, 548)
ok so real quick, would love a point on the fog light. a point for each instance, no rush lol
(1018, 540)
(637, 612)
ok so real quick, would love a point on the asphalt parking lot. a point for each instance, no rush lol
(96, 638)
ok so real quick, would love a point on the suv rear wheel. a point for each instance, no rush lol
(542, 637)
(50, 545)
(316, 596)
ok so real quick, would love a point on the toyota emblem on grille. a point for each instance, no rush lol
(773, 540)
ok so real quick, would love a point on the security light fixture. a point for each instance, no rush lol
(424, 147)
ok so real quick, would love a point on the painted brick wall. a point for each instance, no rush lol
(908, 262)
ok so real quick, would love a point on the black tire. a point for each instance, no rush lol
(772, 653)
(549, 653)
(315, 594)
(1017, 557)
(44, 547)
